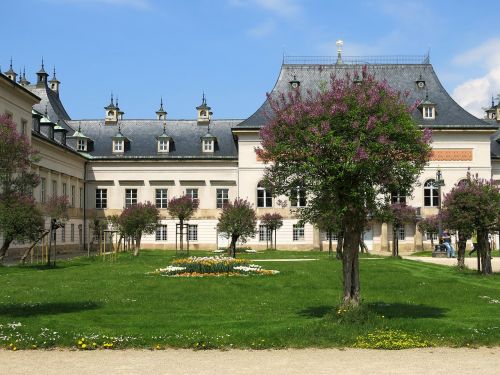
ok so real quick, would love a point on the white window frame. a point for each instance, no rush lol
(131, 197)
(65, 189)
(397, 197)
(222, 198)
(81, 145)
(208, 145)
(118, 146)
(73, 193)
(432, 192)
(161, 232)
(192, 193)
(81, 198)
(192, 232)
(54, 188)
(63, 233)
(264, 197)
(334, 237)
(161, 198)
(264, 233)
(298, 233)
(298, 197)
(429, 112)
(163, 145)
(43, 190)
(401, 233)
(429, 235)
(101, 199)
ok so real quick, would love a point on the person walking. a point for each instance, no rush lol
(450, 251)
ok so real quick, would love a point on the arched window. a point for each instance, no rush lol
(463, 182)
(431, 194)
(203, 113)
(264, 196)
(398, 197)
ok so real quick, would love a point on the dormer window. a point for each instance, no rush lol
(81, 145)
(208, 145)
(429, 112)
(118, 145)
(163, 144)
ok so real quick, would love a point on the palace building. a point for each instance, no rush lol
(106, 164)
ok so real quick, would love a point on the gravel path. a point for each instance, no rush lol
(290, 362)
(470, 262)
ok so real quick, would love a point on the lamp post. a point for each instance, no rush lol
(439, 183)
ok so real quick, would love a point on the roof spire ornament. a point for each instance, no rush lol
(11, 73)
(339, 44)
(161, 114)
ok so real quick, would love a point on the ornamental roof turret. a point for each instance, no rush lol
(11, 73)
(161, 113)
(23, 81)
(41, 77)
(204, 114)
(54, 83)
(111, 104)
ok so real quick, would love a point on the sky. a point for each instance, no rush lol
(142, 50)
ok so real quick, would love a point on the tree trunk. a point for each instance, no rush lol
(137, 244)
(394, 240)
(270, 234)
(350, 262)
(485, 252)
(181, 234)
(330, 248)
(462, 243)
(5, 246)
(233, 245)
(340, 244)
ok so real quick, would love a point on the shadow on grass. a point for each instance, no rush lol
(406, 310)
(316, 311)
(388, 310)
(45, 308)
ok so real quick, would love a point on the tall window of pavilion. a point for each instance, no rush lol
(264, 196)
(431, 193)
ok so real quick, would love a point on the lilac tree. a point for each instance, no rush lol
(273, 222)
(354, 140)
(429, 225)
(473, 206)
(237, 222)
(182, 208)
(17, 182)
(138, 219)
(398, 214)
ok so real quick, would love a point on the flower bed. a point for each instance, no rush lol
(212, 266)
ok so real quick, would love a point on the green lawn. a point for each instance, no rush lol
(117, 302)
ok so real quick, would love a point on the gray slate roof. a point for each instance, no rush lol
(142, 135)
(400, 77)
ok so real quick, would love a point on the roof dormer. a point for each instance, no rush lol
(428, 109)
(82, 142)
(119, 142)
(60, 133)
(204, 114)
(208, 142)
(163, 141)
(161, 114)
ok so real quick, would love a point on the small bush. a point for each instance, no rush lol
(392, 340)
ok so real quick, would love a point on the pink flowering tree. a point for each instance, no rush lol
(429, 225)
(397, 214)
(182, 208)
(352, 141)
(17, 182)
(273, 222)
(473, 206)
(237, 222)
(139, 219)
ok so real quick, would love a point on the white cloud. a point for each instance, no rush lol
(262, 29)
(137, 4)
(475, 93)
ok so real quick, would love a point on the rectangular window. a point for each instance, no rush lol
(428, 112)
(193, 232)
(63, 234)
(192, 193)
(222, 197)
(24, 127)
(298, 198)
(334, 236)
(264, 197)
(161, 198)
(264, 233)
(81, 197)
(298, 233)
(72, 233)
(428, 236)
(54, 188)
(397, 197)
(81, 145)
(208, 145)
(163, 145)
(161, 233)
(117, 146)
(43, 190)
(401, 233)
(64, 189)
(101, 198)
(73, 189)
(130, 197)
